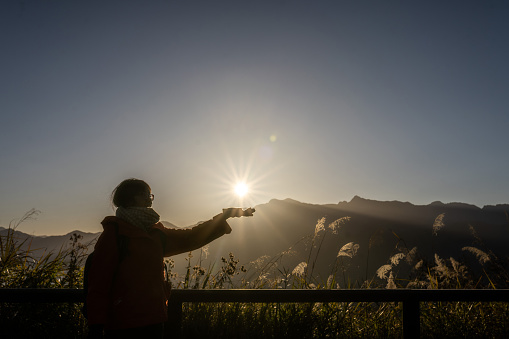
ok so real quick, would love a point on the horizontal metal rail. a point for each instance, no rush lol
(41, 295)
(410, 299)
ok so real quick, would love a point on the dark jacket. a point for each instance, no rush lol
(133, 293)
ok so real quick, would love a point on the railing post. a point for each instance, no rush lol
(173, 327)
(411, 319)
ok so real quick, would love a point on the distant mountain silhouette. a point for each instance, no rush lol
(380, 228)
(44, 244)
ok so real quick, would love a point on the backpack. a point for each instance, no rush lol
(122, 246)
(122, 242)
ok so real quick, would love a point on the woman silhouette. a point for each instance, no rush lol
(127, 293)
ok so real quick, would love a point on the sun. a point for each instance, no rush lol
(241, 189)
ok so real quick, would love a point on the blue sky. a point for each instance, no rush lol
(315, 101)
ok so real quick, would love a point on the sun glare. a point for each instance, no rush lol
(241, 189)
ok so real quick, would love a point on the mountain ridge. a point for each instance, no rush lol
(356, 200)
(282, 224)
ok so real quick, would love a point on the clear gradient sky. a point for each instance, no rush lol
(316, 101)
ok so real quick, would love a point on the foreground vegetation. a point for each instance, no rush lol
(404, 269)
(35, 268)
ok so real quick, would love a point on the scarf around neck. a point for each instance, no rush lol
(141, 217)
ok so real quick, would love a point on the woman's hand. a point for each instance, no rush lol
(237, 212)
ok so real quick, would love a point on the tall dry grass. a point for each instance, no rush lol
(37, 268)
(341, 320)
(405, 268)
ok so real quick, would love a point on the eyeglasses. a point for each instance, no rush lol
(151, 197)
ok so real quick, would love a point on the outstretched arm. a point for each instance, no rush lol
(186, 240)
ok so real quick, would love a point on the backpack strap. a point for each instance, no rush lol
(122, 245)
(162, 238)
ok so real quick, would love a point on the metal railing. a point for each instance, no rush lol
(408, 297)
